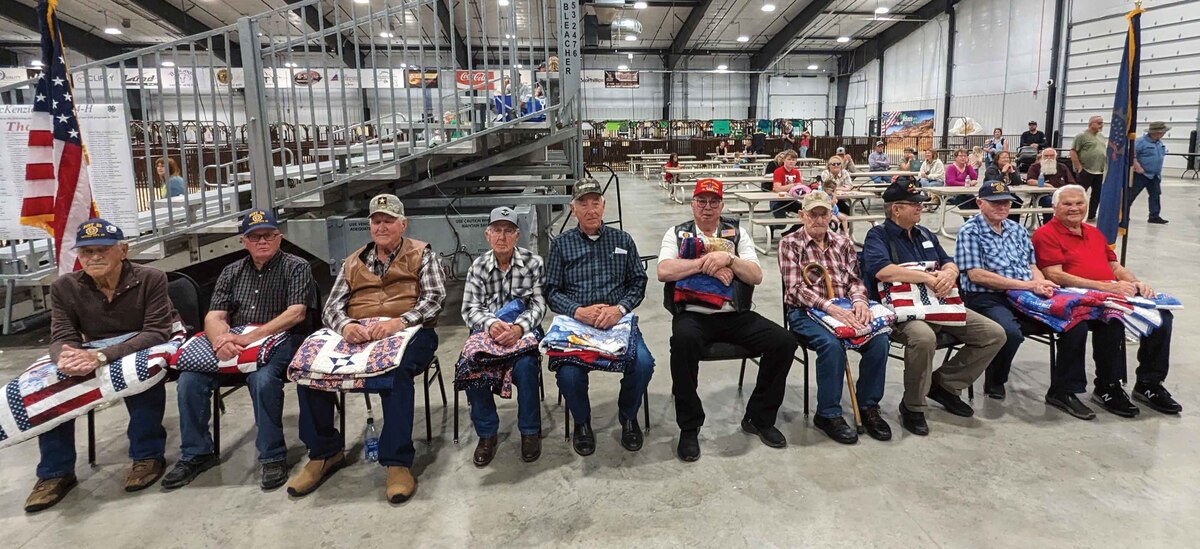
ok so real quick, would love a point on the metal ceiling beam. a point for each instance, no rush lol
(778, 43)
(649, 3)
(680, 42)
(874, 48)
(76, 39)
(317, 22)
(661, 52)
(460, 45)
(189, 25)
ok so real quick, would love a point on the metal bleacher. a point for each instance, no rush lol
(313, 108)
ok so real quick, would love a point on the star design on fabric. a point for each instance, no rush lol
(67, 97)
(63, 118)
(53, 104)
(338, 362)
(73, 134)
(57, 81)
(40, 98)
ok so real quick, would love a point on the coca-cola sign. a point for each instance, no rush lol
(475, 80)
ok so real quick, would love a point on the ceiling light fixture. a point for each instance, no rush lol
(631, 38)
(768, 6)
(743, 38)
(813, 67)
(387, 34)
(622, 67)
(722, 67)
(502, 3)
(362, 1)
(404, 65)
(109, 29)
(640, 5)
(630, 56)
(843, 39)
(290, 65)
(881, 10)
(167, 64)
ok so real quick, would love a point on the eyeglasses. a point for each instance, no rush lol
(259, 237)
(710, 203)
(503, 231)
(835, 163)
(917, 204)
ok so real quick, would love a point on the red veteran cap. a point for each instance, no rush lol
(709, 185)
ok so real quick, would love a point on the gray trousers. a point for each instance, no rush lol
(981, 338)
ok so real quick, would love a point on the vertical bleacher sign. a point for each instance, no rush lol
(570, 22)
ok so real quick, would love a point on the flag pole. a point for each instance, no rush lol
(1126, 205)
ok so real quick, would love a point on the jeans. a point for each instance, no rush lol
(265, 385)
(926, 182)
(1154, 353)
(831, 365)
(803, 151)
(994, 305)
(529, 417)
(396, 448)
(1154, 186)
(573, 383)
(147, 437)
(692, 332)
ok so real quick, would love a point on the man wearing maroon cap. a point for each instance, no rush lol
(728, 256)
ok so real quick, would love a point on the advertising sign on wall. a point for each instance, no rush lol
(900, 124)
(621, 79)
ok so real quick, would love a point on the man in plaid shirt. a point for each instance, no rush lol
(505, 273)
(594, 275)
(815, 243)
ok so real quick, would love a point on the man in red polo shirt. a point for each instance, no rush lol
(1074, 254)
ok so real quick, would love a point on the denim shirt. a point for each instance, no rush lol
(1150, 155)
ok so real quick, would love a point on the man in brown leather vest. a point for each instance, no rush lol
(394, 277)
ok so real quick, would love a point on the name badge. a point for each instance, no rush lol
(619, 251)
(684, 234)
(926, 244)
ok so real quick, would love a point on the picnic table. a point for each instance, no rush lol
(752, 198)
(1033, 191)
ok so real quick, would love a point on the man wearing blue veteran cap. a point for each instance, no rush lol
(109, 309)
(271, 290)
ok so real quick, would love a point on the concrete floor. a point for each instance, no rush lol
(1019, 474)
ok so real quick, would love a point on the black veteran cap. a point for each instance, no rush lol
(904, 192)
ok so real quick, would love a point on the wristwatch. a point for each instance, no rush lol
(101, 358)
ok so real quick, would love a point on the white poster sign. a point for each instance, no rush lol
(106, 136)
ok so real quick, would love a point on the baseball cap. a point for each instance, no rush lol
(586, 186)
(904, 192)
(258, 219)
(1033, 121)
(709, 185)
(98, 232)
(996, 190)
(816, 199)
(841, 150)
(503, 213)
(387, 203)
(879, 143)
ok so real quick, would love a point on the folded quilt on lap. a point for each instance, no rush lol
(882, 319)
(197, 354)
(569, 341)
(915, 301)
(1070, 306)
(42, 398)
(486, 364)
(327, 362)
(702, 289)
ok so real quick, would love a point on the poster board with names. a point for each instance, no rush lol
(106, 136)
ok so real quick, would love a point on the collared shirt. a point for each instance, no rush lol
(1085, 255)
(488, 288)
(917, 244)
(832, 185)
(1150, 155)
(79, 311)
(1091, 148)
(430, 278)
(839, 258)
(1008, 253)
(878, 161)
(581, 271)
(252, 296)
(669, 249)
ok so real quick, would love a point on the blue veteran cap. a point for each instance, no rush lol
(258, 219)
(98, 232)
(995, 191)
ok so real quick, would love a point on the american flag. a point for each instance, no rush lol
(197, 354)
(58, 194)
(889, 119)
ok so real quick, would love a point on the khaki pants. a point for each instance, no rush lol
(981, 337)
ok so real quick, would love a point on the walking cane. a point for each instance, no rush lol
(823, 273)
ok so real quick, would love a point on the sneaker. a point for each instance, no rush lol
(1156, 397)
(1070, 404)
(185, 472)
(48, 492)
(1113, 398)
(1157, 220)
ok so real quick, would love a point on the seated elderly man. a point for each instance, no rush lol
(901, 240)
(996, 255)
(595, 276)
(834, 253)
(1074, 254)
(728, 255)
(392, 277)
(270, 289)
(1049, 170)
(110, 309)
(505, 274)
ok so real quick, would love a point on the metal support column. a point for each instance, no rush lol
(843, 92)
(949, 72)
(570, 19)
(754, 80)
(1055, 50)
(879, 105)
(667, 78)
(258, 130)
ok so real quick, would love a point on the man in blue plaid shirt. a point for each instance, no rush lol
(507, 272)
(595, 276)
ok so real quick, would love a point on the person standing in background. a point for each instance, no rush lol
(1088, 158)
(1148, 154)
(805, 142)
(168, 177)
(1033, 136)
(994, 145)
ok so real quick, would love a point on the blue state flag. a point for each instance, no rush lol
(1113, 217)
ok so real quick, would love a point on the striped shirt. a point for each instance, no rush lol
(1008, 254)
(839, 259)
(489, 288)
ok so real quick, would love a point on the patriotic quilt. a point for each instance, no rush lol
(572, 342)
(915, 301)
(486, 364)
(1070, 306)
(42, 398)
(882, 319)
(702, 289)
(197, 355)
(326, 362)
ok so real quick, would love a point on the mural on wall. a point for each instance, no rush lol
(901, 124)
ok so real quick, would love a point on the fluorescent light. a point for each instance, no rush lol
(404, 65)
(112, 30)
(722, 67)
(881, 10)
(843, 39)
(640, 5)
(362, 1)
(622, 67)
(631, 38)
(35, 63)
(813, 67)
(387, 34)
(743, 38)
(768, 7)
(509, 36)
(290, 65)
(167, 64)
(630, 56)
(502, 3)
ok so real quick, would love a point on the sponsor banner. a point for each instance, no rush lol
(475, 80)
(908, 123)
(422, 79)
(621, 79)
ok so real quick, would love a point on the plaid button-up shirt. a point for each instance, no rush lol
(431, 280)
(839, 258)
(582, 272)
(1008, 254)
(252, 296)
(489, 288)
